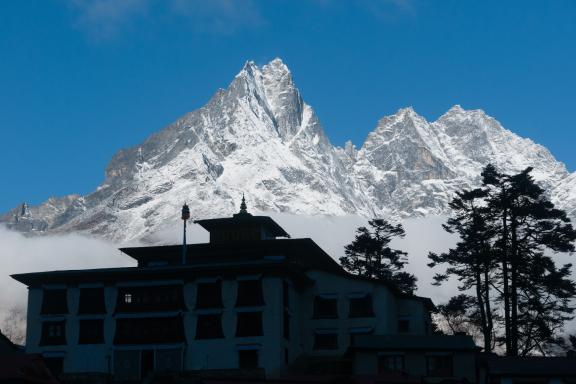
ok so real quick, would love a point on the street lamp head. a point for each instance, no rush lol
(185, 212)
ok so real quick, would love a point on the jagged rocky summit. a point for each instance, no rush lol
(260, 138)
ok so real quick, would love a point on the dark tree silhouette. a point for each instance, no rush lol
(472, 261)
(535, 293)
(507, 230)
(459, 315)
(499, 204)
(369, 255)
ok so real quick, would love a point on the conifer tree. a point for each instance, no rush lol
(369, 255)
(533, 290)
(459, 315)
(507, 230)
(472, 261)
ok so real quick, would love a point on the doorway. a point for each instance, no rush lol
(146, 363)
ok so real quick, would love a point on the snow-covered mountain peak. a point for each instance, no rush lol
(472, 138)
(271, 90)
(455, 109)
(272, 74)
(405, 129)
(402, 119)
(406, 111)
(276, 68)
(460, 114)
(248, 69)
(258, 136)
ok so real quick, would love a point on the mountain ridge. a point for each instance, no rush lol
(258, 136)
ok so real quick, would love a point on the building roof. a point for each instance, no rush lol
(180, 272)
(531, 366)
(243, 220)
(230, 252)
(414, 342)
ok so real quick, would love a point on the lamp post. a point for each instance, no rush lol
(185, 217)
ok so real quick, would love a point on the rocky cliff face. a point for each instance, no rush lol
(259, 137)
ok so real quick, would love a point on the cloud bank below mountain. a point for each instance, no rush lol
(22, 254)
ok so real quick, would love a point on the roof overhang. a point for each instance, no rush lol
(243, 220)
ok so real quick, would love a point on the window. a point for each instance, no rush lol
(91, 301)
(53, 333)
(168, 360)
(54, 302)
(209, 327)
(325, 308)
(403, 325)
(150, 299)
(357, 331)
(387, 363)
(209, 295)
(249, 293)
(91, 332)
(361, 307)
(439, 366)
(149, 330)
(146, 363)
(54, 364)
(248, 359)
(286, 325)
(126, 365)
(249, 324)
(325, 341)
(285, 294)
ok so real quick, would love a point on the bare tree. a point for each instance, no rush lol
(13, 324)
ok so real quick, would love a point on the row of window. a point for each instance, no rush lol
(155, 298)
(134, 364)
(90, 332)
(170, 330)
(436, 365)
(327, 339)
(327, 308)
(248, 324)
(209, 296)
(156, 330)
(54, 301)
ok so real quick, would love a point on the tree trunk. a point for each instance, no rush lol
(513, 288)
(482, 310)
(505, 291)
(489, 320)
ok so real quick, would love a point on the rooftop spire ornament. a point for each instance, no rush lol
(243, 205)
(185, 217)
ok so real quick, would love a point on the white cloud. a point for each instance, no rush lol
(31, 254)
(218, 16)
(422, 236)
(390, 10)
(385, 10)
(21, 254)
(104, 19)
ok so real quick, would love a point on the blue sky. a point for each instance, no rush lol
(80, 79)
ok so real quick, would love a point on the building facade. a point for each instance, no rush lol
(252, 301)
